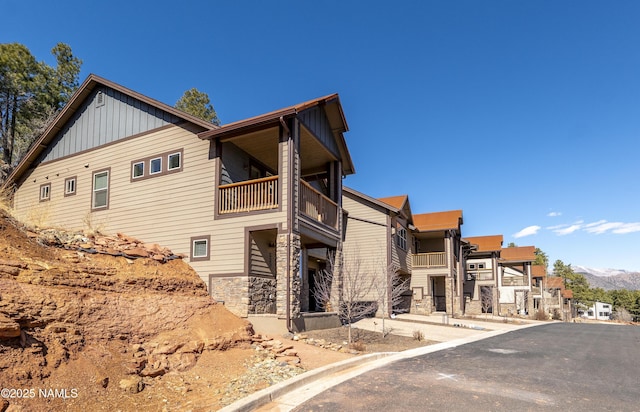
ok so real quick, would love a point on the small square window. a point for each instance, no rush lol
(472, 265)
(200, 248)
(480, 265)
(137, 169)
(174, 161)
(70, 186)
(45, 192)
(155, 166)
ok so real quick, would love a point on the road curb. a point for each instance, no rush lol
(365, 363)
(264, 396)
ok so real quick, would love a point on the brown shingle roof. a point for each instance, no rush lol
(486, 243)
(518, 254)
(567, 294)
(554, 282)
(538, 271)
(395, 201)
(426, 222)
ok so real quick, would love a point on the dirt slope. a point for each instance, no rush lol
(80, 329)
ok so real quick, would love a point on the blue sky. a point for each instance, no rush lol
(524, 114)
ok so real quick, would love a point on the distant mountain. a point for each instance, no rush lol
(609, 279)
(599, 272)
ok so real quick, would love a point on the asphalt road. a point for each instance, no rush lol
(560, 366)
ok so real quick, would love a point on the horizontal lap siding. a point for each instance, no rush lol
(167, 209)
(365, 241)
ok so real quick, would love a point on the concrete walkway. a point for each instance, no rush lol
(286, 395)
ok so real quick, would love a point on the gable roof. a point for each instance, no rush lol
(538, 271)
(427, 222)
(333, 109)
(554, 282)
(518, 254)
(75, 102)
(395, 201)
(491, 243)
(370, 199)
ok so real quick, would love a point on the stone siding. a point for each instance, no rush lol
(262, 295)
(234, 292)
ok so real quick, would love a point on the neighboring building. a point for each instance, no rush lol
(480, 280)
(255, 205)
(538, 279)
(558, 299)
(378, 239)
(436, 281)
(598, 311)
(514, 280)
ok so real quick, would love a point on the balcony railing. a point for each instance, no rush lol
(318, 206)
(248, 196)
(429, 260)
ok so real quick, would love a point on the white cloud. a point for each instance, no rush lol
(567, 230)
(527, 231)
(556, 227)
(628, 228)
(602, 227)
(554, 214)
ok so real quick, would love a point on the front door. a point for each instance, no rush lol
(438, 293)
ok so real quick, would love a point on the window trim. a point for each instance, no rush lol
(179, 167)
(93, 189)
(164, 165)
(151, 172)
(194, 239)
(133, 169)
(67, 181)
(46, 198)
(401, 238)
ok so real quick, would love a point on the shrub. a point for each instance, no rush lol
(358, 345)
(418, 335)
(541, 314)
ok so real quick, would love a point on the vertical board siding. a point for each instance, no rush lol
(316, 121)
(120, 116)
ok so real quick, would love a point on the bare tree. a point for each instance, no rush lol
(345, 287)
(389, 288)
(486, 299)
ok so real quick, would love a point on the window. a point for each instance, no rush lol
(45, 192)
(480, 265)
(200, 248)
(70, 186)
(174, 161)
(137, 169)
(100, 197)
(155, 166)
(605, 306)
(401, 238)
(472, 266)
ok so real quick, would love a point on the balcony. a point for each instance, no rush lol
(317, 206)
(249, 196)
(429, 260)
(262, 194)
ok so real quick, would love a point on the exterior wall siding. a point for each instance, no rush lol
(316, 121)
(94, 125)
(366, 244)
(167, 210)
